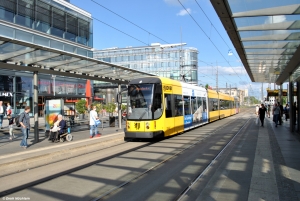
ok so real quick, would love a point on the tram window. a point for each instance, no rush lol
(213, 104)
(204, 104)
(157, 102)
(178, 105)
(194, 104)
(168, 105)
(187, 105)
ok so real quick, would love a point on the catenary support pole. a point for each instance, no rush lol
(280, 94)
(119, 106)
(15, 95)
(36, 108)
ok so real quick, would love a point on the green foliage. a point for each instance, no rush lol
(99, 106)
(110, 108)
(80, 106)
(251, 100)
(284, 100)
(123, 107)
(206, 86)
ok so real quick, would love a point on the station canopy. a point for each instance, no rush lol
(16, 54)
(266, 35)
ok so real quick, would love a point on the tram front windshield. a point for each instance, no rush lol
(141, 105)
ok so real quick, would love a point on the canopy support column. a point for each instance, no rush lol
(298, 101)
(292, 108)
(280, 94)
(36, 108)
(119, 105)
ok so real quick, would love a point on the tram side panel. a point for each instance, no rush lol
(172, 120)
(213, 105)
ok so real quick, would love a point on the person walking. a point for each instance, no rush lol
(24, 120)
(93, 126)
(11, 127)
(2, 113)
(276, 114)
(287, 112)
(262, 113)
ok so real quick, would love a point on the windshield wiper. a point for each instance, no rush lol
(143, 114)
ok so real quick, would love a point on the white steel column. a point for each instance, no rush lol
(36, 108)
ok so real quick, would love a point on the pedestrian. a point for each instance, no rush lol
(262, 113)
(287, 112)
(11, 127)
(281, 113)
(276, 114)
(2, 113)
(93, 126)
(269, 110)
(24, 120)
(256, 110)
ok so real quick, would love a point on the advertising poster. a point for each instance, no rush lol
(53, 109)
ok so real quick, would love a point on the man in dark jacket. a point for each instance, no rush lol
(262, 113)
(25, 126)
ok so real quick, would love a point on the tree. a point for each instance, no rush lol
(99, 107)
(251, 100)
(80, 106)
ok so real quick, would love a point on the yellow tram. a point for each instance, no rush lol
(161, 107)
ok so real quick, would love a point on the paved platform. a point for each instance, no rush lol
(263, 163)
(260, 163)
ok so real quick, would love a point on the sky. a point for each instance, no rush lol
(168, 20)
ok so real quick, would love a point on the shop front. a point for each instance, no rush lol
(17, 89)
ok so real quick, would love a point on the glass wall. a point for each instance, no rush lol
(160, 62)
(50, 18)
(17, 89)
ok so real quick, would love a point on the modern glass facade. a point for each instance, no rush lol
(50, 17)
(160, 60)
(16, 88)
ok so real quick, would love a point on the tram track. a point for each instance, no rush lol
(125, 183)
(170, 158)
(200, 175)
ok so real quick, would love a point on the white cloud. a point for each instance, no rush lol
(184, 12)
(275, 19)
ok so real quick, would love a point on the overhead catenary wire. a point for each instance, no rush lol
(130, 22)
(217, 32)
(120, 31)
(206, 35)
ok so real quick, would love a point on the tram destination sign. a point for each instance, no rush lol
(6, 94)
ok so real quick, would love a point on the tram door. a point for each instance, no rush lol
(169, 121)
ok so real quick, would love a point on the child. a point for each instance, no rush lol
(11, 126)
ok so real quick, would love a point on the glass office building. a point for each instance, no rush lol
(54, 24)
(52, 17)
(171, 60)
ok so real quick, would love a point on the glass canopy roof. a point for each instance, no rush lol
(28, 55)
(266, 34)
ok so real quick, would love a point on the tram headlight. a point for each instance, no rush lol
(147, 125)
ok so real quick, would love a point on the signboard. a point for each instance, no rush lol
(53, 109)
(6, 94)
